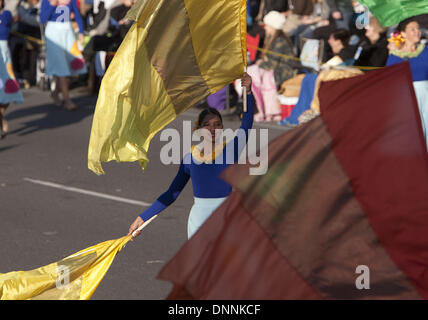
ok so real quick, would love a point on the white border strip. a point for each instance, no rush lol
(88, 192)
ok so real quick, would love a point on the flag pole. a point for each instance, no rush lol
(143, 226)
(244, 95)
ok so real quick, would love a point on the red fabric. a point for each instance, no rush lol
(77, 64)
(11, 86)
(345, 189)
(382, 150)
(286, 111)
(252, 45)
(221, 261)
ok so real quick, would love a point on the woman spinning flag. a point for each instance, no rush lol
(208, 188)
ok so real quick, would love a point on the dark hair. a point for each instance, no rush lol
(206, 112)
(343, 35)
(403, 24)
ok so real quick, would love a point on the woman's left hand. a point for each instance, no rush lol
(246, 82)
(134, 226)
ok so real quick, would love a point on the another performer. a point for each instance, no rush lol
(416, 53)
(9, 87)
(63, 56)
(208, 188)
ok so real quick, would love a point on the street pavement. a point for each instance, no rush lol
(52, 205)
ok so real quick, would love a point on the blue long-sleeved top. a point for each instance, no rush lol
(206, 179)
(418, 64)
(5, 24)
(56, 13)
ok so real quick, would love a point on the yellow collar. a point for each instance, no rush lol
(198, 153)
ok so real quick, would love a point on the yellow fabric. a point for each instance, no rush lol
(131, 106)
(199, 155)
(154, 77)
(330, 75)
(218, 25)
(84, 271)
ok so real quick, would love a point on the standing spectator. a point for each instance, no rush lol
(417, 54)
(9, 88)
(26, 50)
(63, 57)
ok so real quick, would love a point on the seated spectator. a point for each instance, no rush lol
(298, 11)
(271, 70)
(374, 50)
(319, 18)
(253, 7)
(267, 6)
(342, 52)
(342, 12)
(108, 29)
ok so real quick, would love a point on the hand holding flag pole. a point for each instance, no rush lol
(137, 231)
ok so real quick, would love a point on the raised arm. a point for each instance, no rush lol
(247, 120)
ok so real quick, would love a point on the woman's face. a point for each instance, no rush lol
(372, 34)
(336, 45)
(212, 123)
(412, 33)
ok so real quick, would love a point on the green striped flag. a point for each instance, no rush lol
(391, 12)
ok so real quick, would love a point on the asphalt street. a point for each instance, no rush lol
(52, 205)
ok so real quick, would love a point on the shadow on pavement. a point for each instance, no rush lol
(6, 147)
(53, 116)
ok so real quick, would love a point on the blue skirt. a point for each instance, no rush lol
(201, 210)
(9, 87)
(63, 57)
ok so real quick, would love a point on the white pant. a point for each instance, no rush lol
(201, 210)
(421, 90)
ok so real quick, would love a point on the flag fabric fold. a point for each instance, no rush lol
(391, 12)
(75, 277)
(346, 191)
(175, 54)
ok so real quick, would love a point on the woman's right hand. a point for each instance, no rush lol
(53, 2)
(246, 82)
(135, 225)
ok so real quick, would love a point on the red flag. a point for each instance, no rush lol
(345, 197)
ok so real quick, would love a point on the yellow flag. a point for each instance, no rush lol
(73, 278)
(175, 54)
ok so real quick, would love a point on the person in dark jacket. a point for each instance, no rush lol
(25, 51)
(374, 49)
(342, 52)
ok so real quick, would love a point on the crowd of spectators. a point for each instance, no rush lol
(286, 39)
(289, 39)
(104, 29)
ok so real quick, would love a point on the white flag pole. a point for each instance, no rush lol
(244, 95)
(143, 226)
